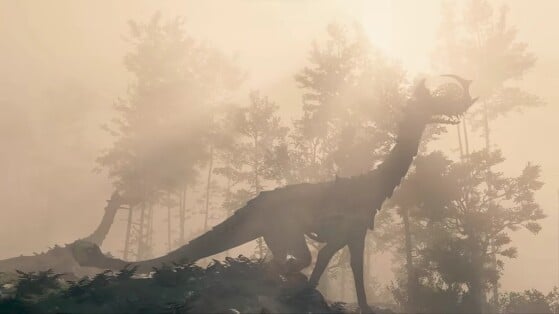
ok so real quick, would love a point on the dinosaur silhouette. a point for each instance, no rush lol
(60, 258)
(338, 213)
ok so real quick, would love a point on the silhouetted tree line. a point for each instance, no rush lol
(182, 145)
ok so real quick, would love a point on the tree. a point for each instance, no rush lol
(351, 100)
(162, 130)
(231, 169)
(351, 97)
(454, 232)
(526, 302)
(481, 45)
(252, 158)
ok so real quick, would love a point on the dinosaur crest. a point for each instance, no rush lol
(447, 103)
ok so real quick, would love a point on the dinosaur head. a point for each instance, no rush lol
(446, 104)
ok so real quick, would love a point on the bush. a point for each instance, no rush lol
(241, 284)
(526, 302)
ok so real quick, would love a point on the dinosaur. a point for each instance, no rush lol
(337, 213)
(60, 258)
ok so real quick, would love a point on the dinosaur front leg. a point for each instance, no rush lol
(356, 250)
(293, 244)
(324, 256)
(300, 251)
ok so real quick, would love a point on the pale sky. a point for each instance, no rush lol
(54, 50)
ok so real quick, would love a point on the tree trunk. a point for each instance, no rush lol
(228, 198)
(466, 143)
(257, 188)
(169, 245)
(149, 236)
(182, 215)
(495, 287)
(461, 148)
(140, 235)
(127, 237)
(486, 126)
(256, 166)
(208, 188)
(412, 284)
(476, 286)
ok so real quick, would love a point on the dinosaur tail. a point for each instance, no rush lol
(23, 263)
(234, 231)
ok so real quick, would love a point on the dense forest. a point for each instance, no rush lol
(184, 149)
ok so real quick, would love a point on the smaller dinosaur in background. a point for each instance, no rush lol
(60, 258)
(337, 213)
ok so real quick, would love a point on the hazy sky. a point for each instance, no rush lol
(61, 65)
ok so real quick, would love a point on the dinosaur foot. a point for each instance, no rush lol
(287, 274)
(292, 265)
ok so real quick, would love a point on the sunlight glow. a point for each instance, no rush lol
(377, 21)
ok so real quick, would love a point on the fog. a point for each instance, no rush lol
(62, 71)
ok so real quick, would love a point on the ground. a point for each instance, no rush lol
(237, 285)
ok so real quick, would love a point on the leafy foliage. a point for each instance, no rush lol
(528, 301)
(352, 94)
(479, 43)
(163, 127)
(249, 286)
(35, 283)
(456, 225)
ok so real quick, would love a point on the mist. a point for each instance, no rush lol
(65, 70)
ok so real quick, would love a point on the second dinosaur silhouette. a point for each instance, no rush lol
(60, 259)
(338, 213)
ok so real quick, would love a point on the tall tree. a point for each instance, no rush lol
(480, 44)
(351, 95)
(260, 135)
(351, 100)
(454, 232)
(161, 132)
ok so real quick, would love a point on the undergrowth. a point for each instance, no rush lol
(236, 285)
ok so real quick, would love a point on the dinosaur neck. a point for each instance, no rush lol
(99, 235)
(390, 173)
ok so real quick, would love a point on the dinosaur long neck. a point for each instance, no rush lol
(390, 173)
(100, 233)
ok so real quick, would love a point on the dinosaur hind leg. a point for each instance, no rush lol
(293, 244)
(324, 256)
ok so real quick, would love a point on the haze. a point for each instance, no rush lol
(62, 71)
